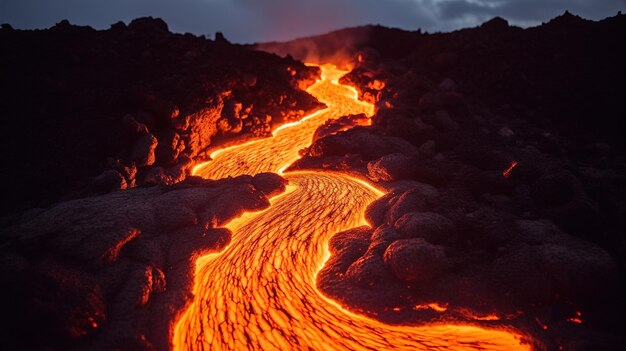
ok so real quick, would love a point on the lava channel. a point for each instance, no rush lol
(260, 294)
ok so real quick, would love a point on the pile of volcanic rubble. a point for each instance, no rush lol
(503, 153)
(115, 271)
(88, 111)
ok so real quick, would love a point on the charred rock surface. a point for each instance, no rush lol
(114, 272)
(502, 149)
(86, 112)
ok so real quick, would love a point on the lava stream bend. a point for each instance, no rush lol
(259, 293)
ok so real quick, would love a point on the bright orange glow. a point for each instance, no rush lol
(489, 317)
(431, 306)
(507, 172)
(578, 318)
(260, 294)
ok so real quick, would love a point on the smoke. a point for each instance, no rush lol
(336, 47)
(247, 21)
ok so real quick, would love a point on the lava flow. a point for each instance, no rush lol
(259, 293)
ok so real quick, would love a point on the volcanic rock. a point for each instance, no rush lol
(368, 270)
(391, 167)
(432, 227)
(562, 198)
(418, 198)
(142, 152)
(447, 85)
(268, 183)
(109, 180)
(388, 208)
(445, 122)
(358, 141)
(495, 24)
(415, 260)
(376, 211)
(114, 271)
(427, 149)
(138, 94)
(520, 210)
(526, 247)
(334, 126)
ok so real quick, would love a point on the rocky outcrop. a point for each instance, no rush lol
(358, 150)
(82, 105)
(476, 264)
(505, 174)
(391, 167)
(116, 271)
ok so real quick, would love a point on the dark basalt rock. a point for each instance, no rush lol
(415, 260)
(115, 271)
(495, 24)
(78, 102)
(391, 167)
(432, 227)
(516, 161)
(333, 126)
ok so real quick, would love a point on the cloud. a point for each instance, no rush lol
(526, 12)
(265, 20)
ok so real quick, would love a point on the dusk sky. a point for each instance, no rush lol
(247, 21)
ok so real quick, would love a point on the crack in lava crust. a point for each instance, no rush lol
(260, 293)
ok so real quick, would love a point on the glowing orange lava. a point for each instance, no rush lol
(507, 172)
(260, 294)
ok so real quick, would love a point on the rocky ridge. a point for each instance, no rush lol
(502, 151)
(115, 271)
(90, 111)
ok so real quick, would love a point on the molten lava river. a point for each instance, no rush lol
(260, 293)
